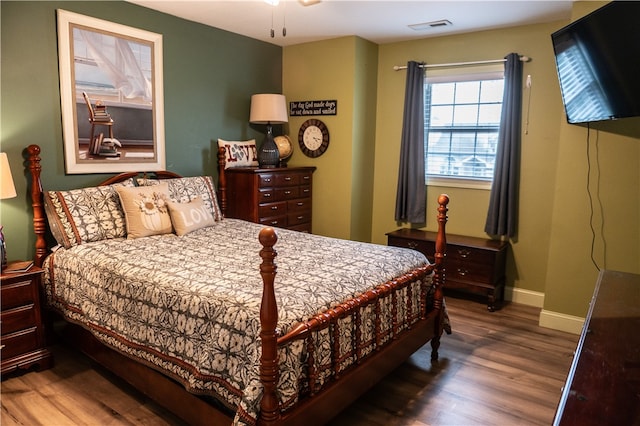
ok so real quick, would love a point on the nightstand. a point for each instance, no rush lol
(475, 265)
(275, 197)
(23, 341)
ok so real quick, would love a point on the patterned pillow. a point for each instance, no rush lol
(183, 190)
(84, 215)
(145, 210)
(188, 217)
(239, 153)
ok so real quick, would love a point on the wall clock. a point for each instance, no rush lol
(313, 138)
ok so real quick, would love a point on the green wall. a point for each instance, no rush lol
(343, 69)
(209, 77)
(550, 258)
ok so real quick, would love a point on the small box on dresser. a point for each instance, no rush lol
(23, 340)
(476, 265)
(278, 197)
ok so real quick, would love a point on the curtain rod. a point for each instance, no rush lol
(461, 64)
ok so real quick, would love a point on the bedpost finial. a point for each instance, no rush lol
(443, 199)
(268, 237)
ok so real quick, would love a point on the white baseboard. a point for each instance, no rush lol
(524, 297)
(562, 322)
(548, 319)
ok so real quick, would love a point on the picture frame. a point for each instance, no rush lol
(111, 95)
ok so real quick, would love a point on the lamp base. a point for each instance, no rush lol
(268, 154)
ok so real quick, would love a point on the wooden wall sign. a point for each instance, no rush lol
(303, 108)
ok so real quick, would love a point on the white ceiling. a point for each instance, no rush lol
(374, 20)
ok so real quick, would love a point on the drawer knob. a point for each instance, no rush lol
(462, 272)
(267, 195)
(300, 217)
(305, 177)
(287, 178)
(412, 245)
(287, 192)
(274, 208)
(464, 253)
(274, 222)
(300, 203)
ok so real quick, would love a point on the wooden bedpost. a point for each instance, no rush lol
(39, 216)
(222, 180)
(439, 272)
(269, 407)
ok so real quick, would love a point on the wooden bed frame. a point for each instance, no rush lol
(345, 385)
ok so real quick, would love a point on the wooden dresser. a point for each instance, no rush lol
(23, 339)
(472, 264)
(278, 197)
(603, 384)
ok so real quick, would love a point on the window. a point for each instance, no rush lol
(462, 120)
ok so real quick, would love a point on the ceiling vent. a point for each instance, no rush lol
(430, 25)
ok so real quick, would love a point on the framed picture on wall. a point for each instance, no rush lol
(111, 94)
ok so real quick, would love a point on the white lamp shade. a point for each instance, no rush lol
(268, 108)
(7, 188)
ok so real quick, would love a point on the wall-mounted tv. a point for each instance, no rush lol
(598, 63)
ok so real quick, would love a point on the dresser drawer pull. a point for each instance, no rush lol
(300, 217)
(287, 192)
(306, 177)
(305, 191)
(464, 253)
(287, 178)
(412, 245)
(274, 222)
(300, 203)
(274, 208)
(266, 195)
(462, 272)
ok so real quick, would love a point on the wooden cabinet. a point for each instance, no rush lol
(603, 384)
(472, 264)
(23, 339)
(278, 197)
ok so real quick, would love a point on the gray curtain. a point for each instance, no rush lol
(502, 217)
(411, 193)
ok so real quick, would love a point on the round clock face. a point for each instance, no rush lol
(313, 137)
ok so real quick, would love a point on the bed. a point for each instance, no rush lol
(202, 318)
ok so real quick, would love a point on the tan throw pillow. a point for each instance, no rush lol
(187, 217)
(145, 210)
(239, 153)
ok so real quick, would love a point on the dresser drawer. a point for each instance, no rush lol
(265, 180)
(17, 293)
(473, 264)
(272, 209)
(470, 255)
(18, 318)
(279, 221)
(287, 193)
(299, 205)
(298, 218)
(287, 179)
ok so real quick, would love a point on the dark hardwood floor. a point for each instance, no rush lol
(496, 368)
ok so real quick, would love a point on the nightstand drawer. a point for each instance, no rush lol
(17, 293)
(18, 318)
(19, 342)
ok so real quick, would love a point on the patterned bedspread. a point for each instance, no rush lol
(190, 305)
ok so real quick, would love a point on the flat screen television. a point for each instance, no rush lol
(598, 64)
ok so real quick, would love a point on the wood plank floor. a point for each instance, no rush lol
(496, 368)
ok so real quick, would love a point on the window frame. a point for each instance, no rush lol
(492, 73)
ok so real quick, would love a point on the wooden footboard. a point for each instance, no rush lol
(346, 382)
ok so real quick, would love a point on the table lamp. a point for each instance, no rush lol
(7, 190)
(268, 108)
